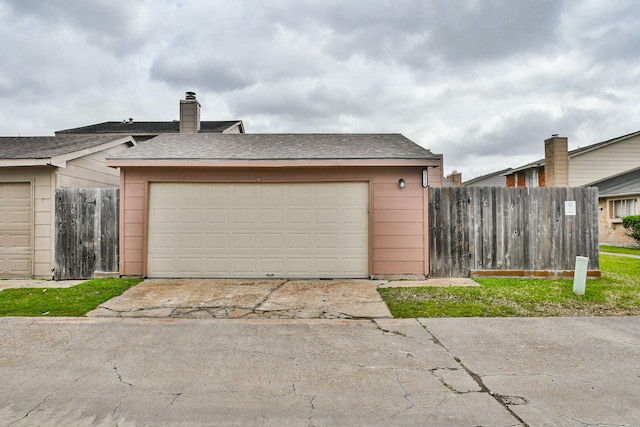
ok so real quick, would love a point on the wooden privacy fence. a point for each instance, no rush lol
(86, 230)
(529, 231)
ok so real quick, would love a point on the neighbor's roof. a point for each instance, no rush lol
(625, 183)
(487, 176)
(270, 147)
(577, 151)
(151, 128)
(45, 147)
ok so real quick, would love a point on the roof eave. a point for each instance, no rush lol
(522, 168)
(270, 163)
(61, 161)
(7, 163)
(618, 195)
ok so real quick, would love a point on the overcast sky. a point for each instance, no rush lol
(483, 82)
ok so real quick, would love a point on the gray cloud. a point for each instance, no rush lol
(483, 82)
(122, 27)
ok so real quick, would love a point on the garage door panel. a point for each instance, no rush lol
(159, 216)
(217, 216)
(217, 266)
(299, 216)
(258, 230)
(271, 241)
(271, 216)
(327, 241)
(190, 216)
(190, 266)
(354, 241)
(217, 240)
(297, 241)
(190, 241)
(244, 216)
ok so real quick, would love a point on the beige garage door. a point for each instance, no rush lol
(258, 230)
(15, 229)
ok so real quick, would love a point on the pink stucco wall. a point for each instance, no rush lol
(398, 226)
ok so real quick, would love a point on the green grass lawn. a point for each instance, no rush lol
(74, 301)
(619, 250)
(617, 292)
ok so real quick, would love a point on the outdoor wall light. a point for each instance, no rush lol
(401, 183)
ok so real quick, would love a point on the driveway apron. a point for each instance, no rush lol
(249, 299)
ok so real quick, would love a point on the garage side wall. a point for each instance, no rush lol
(397, 216)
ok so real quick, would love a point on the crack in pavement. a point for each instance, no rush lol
(269, 295)
(37, 406)
(311, 411)
(387, 331)
(407, 395)
(445, 383)
(502, 400)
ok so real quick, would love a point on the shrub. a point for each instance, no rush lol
(632, 223)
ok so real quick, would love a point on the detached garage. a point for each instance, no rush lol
(286, 206)
(32, 168)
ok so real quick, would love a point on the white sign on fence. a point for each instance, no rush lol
(570, 207)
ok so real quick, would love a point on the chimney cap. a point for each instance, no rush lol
(189, 95)
(555, 134)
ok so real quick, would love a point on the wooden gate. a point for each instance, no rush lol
(86, 230)
(517, 229)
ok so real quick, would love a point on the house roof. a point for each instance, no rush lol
(276, 147)
(577, 151)
(487, 176)
(55, 150)
(621, 184)
(41, 147)
(150, 128)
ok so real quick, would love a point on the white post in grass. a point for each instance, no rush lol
(580, 275)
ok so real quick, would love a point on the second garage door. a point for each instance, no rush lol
(302, 230)
(15, 229)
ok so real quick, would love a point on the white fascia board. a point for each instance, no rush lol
(7, 163)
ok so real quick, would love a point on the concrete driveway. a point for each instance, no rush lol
(258, 299)
(249, 299)
(381, 372)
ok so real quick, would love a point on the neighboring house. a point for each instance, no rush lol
(618, 197)
(31, 169)
(582, 166)
(494, 179)
(275, 205)
(454, 179)
(609, 165)
(189, 123)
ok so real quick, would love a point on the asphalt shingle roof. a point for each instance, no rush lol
(42, 147)
(624, 183)
(276, 147)
(148, 127)
(578, 151)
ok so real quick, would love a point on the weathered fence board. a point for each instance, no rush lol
(86, 230)
(523, 229)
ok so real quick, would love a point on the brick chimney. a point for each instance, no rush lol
(556, 158)
(455, 177)
(189, 114)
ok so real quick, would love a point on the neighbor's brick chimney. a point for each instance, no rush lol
(556, 158)
(189, 114)
(456, 178)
